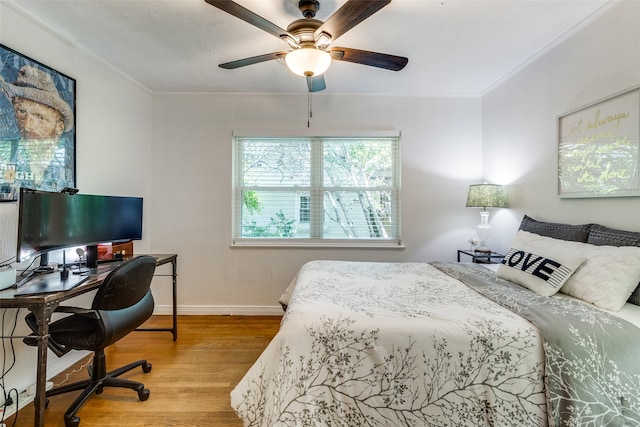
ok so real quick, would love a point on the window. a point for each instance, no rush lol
(305, 209)
(316, 191)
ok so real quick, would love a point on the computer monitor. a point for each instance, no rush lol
(51, 221)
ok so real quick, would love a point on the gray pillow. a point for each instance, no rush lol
(635, 296)
(574, 233)
(603, 236)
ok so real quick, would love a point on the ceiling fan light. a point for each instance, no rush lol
(308, 61)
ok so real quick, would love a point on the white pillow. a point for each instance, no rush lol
(539, 265)
(607, 276)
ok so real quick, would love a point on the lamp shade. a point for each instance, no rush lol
(486, 196)
(308, 61)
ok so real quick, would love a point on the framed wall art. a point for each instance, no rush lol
(598, 148)
(37, 126)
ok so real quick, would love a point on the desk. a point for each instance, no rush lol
(43, 305)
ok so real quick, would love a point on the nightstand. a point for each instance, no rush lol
(480, 257)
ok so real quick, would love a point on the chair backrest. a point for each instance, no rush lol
(126, 285)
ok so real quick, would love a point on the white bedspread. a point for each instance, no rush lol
(396, 344)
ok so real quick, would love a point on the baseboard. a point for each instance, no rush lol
(221, 310)
(26, 387)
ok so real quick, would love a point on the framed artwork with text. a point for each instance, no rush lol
(37, 126)
(598, 148)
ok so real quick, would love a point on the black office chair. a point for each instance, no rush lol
(122, 303)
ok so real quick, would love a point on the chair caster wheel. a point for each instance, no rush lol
(146, 368)
(144, 394)
(72, 421)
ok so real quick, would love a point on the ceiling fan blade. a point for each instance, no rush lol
(252, 60)
(348, 16)
(252, 18)
(373, 59)
(316, 83)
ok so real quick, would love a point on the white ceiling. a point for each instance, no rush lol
(455, 47)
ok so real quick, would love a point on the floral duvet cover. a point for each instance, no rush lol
(414, 344)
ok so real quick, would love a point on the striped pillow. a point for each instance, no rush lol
(540, 268)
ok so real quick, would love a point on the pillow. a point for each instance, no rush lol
(600, 235)
(575, 233)
(538, 263)
(635, 296)
(607, 277)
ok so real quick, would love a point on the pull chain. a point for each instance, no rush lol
(309, 111)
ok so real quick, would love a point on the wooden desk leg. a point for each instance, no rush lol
(43, 317)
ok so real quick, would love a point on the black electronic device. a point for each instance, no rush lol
(50, 221)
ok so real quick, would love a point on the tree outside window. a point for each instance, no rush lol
(317, 189)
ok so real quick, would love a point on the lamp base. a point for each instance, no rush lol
(484, 233)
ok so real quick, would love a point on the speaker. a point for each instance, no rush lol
(92, 256)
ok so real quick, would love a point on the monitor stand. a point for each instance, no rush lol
(44, 264)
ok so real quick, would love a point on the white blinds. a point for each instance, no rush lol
(316, 189)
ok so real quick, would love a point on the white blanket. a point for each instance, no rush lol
(396, 344)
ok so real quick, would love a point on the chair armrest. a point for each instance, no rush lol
(84, 312)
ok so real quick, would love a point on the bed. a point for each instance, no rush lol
(547, 338)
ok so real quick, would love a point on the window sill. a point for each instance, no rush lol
(336, 244)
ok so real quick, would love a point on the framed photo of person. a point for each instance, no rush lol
(37, 126)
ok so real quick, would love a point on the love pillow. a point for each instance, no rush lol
(543, 268)
(605, 275)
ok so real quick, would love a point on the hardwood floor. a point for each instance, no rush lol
(190, 380)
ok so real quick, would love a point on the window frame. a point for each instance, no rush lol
(315, 191)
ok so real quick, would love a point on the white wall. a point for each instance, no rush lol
(192, 147)
(520, 116)
(113, 137)
(172, 150)
(175, 150)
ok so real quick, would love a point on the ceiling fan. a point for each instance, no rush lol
(309, 39)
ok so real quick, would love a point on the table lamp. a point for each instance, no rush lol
(485, 196)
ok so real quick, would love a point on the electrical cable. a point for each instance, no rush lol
(7, 262)
(27, 274)
(15, 418)
(6, 370)
(73, 371)
(26, 270)
(7, 396)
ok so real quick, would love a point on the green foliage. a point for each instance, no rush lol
(284, 227)
(252, 202)
(279, 226)
(356, 177)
